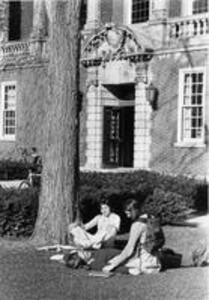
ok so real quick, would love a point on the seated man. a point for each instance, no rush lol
(107, 223)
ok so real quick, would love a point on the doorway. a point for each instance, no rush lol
(118, 136)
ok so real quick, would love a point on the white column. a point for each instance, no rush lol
(186, 7)
(4, 24)
(142, 126)
(94, 125)
(127, 4)
(93, 14)
(206, 121)
(159, 4)
(39, 19)
(158, 9)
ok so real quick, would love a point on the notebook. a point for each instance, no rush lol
(100, 274)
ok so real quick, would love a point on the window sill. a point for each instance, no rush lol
(7, 139)
(190, 145)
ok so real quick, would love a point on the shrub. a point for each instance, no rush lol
(10, 169)
(18, 211)
(164, 194)
(158, 194)
(169, 205)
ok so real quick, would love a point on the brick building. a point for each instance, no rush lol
(145, 70)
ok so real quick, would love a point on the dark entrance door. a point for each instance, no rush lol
(118, 136)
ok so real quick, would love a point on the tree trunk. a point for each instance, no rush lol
(60, 162)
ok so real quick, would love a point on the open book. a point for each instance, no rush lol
(58, 248)
(100, 274)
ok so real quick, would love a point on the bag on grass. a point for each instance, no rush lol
(200, 256)
(169, 259)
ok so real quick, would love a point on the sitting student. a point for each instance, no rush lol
(144, 252)
(135, 257)
(107, 223)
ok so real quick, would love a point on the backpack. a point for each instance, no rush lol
(155, 238)
(200, 256)
(169, 258)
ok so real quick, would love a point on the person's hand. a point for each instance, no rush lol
(107, 268)
(79, 223)
(72, 226)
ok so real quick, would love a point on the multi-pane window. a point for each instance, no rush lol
(192, 106)
(140, 11)
(8, 110)
(14, 32)
(118, 136)
(200, 6)
(83, 14)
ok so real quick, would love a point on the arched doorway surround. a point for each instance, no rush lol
(118, 115)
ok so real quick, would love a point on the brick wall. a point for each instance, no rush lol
(31, 96)
(117, 14)
(112, 11)
(174, 8)
(165, 156)
(26, 19)
(106, 11)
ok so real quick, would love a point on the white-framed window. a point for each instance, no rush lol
(195, 7)
(136, 11)
(8, 110)
(191, 107)
(199, 6)
(139, 11)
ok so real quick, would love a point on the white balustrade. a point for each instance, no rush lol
(32, 47)
(188, 27)
(15, 48)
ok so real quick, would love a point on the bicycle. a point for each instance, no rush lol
(29, 181)
(34, 171)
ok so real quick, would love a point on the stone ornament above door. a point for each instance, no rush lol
(114, 43)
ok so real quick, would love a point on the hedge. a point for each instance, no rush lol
(11, 170)
(159, 194)
(18, 211)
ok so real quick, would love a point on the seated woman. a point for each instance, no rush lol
(107, 223)
(134, 257)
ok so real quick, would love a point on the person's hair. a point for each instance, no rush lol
(73, 260)
(132, 204)
(34, 149)
(105, 202)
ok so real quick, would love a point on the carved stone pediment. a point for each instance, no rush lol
(113, 43)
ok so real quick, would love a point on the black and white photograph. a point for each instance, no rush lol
(104, 149)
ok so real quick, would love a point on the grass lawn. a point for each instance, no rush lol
(27, 274)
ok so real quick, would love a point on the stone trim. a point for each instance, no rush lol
(142, 127)
(18, 54)
(93, 15)
(4, 13)
(25, 66)
(94, 125)
(114, 43)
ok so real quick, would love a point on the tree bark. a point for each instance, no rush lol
(60, 161)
